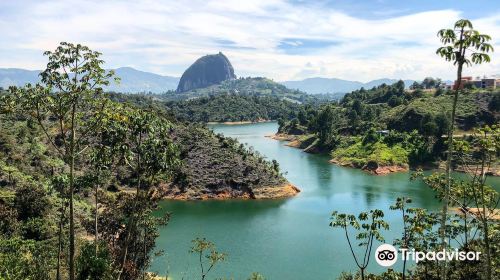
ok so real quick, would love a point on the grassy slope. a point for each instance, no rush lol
(213, 163)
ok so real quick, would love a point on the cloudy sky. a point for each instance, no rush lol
(282, 40)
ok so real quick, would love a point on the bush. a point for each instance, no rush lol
(31, 202)
(89, 266)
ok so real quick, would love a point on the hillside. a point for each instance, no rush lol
(242, 99)
(244, 86)
(388, 128)
(134, 81)
(221, 168)
(227, 107)
(25, 156)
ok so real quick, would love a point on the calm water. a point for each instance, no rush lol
(284, 239)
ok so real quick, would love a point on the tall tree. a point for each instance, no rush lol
(463, 46)
(69, 95)
(149, 153)
(368, 226)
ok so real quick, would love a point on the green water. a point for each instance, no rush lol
(284, 239)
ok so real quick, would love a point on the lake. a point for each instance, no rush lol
(289, 238)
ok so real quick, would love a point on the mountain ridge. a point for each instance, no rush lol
(137, 81)
(317, 85)
(132, 80)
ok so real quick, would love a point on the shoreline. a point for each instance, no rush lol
(240, 122)
(294, 142)
(286, 190)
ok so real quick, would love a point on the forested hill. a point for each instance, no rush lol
(233, 108)
(26, 157)
(389, 126)
(244, 86)
(242, 99)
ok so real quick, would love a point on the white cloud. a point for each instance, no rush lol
(167, 36)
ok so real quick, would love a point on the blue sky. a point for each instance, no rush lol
(282, 40)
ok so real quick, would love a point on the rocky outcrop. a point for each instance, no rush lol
(373, 167)
(271, 192)
(206, 71)
(216, 167)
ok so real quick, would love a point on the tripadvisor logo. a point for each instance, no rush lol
(387, 255)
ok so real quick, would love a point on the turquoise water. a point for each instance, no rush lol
(290, 238)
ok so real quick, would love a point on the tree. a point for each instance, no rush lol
(70, 93)
(324, 124)
(368, 225)
(485, 146)
(416, 222)
(149, 153)
(463, 46)
(415, 85)
(94, 266)
(394, 101)
(202, 245)
(31, 202)
(104, 156)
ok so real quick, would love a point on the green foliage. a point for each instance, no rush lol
(31, 202)
(25, 259)
(368, 226)
(247, 86)
(204, 248)
(233, 108)
(359, 154)
(461, 38)
(91, 266)
(8, 220)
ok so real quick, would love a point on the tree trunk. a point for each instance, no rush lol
(132, 219)
(485, 222)
(96, 239)
(446, 198)
(71, 192)
(59, 241)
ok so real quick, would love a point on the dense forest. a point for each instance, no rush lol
(233, 108)
(81, 171)
(238, 100)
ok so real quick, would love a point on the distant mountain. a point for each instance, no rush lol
(17, 77)
(132, 80)
(378, 82)
(206, 71)
(333, 85)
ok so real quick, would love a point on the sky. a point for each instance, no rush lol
(279, 39)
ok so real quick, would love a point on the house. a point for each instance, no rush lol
(478, 82)
(464, 81)
(489, 83)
